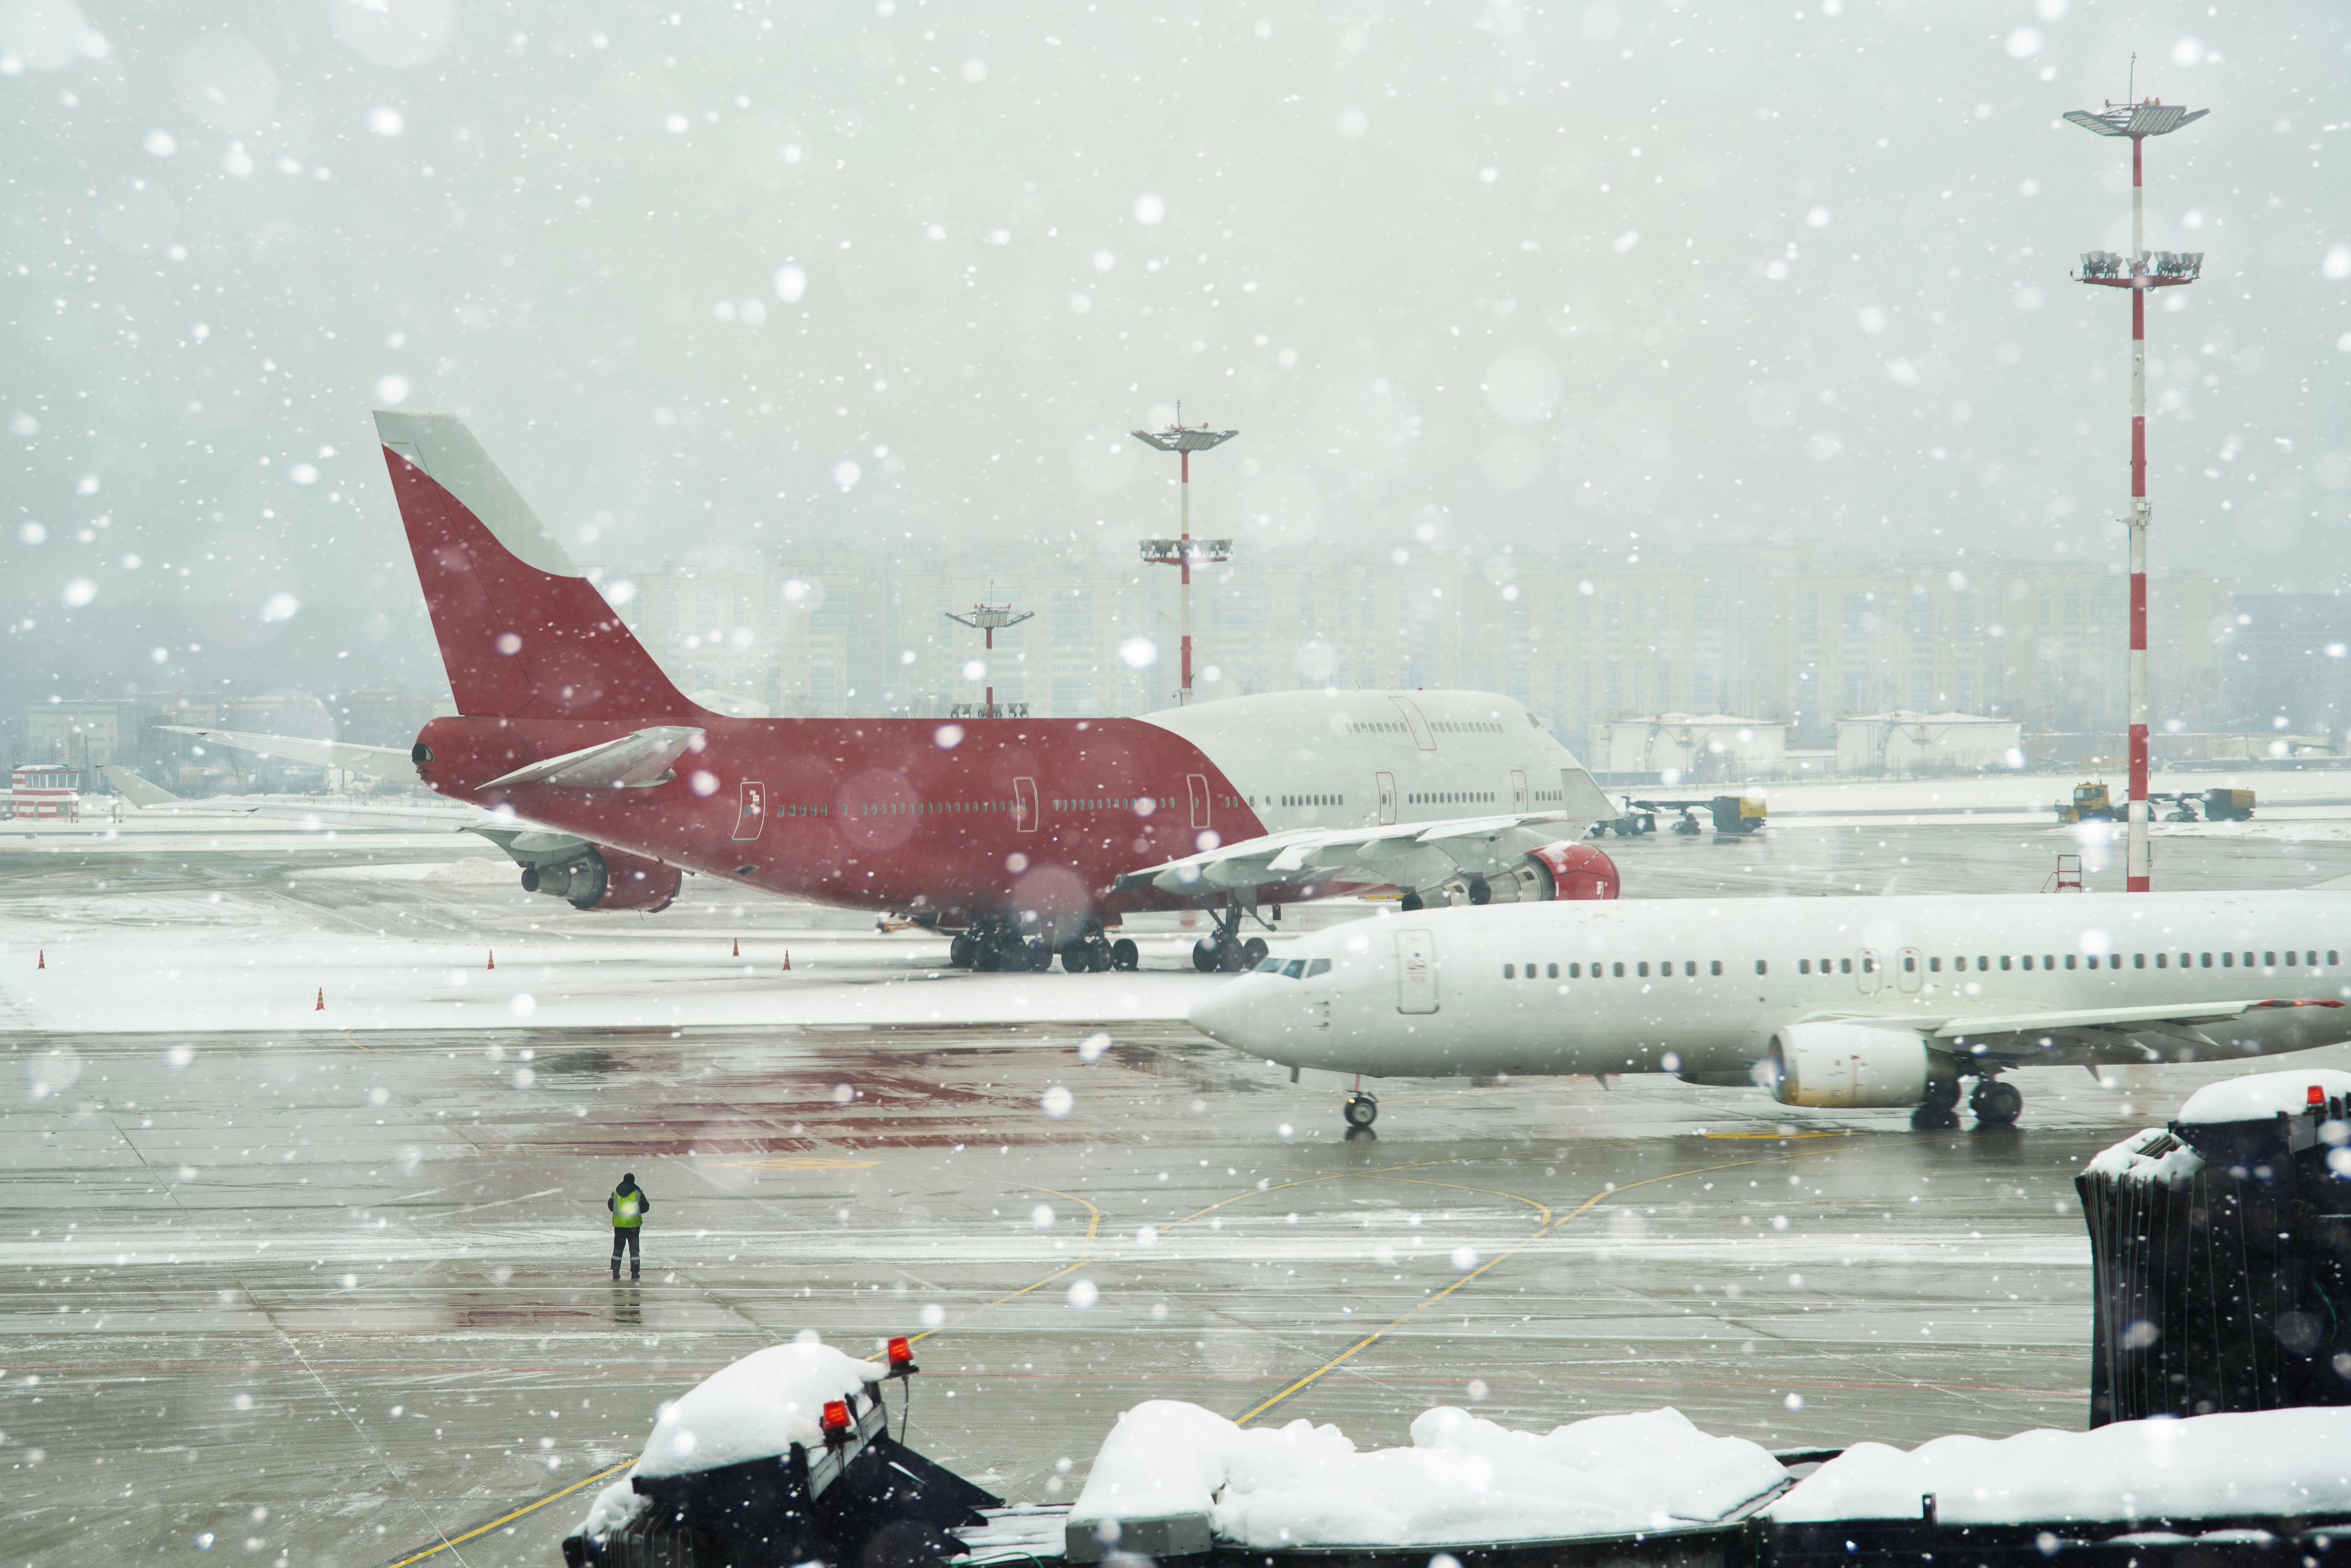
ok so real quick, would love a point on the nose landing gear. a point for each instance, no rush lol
(1362, 1109)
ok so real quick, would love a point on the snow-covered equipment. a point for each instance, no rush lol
(1173, 1479)
(2221, 1251)
(2264, 1486)
(783, 1457)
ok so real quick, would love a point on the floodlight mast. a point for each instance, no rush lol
(990, 619)
(1182, 552)
(2138, 272)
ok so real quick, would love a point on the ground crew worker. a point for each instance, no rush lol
(628, 1204)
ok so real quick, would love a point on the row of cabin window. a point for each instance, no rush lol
(1640, 969)
(1314, 800)
(1121, 803)
(2309, 959)
(923, 808)
(1452, 798)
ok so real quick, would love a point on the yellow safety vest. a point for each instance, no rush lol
(627, 1213)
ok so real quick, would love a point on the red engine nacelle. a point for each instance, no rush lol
(602, 877)
(1577, 871)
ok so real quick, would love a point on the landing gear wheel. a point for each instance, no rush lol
(1232, 957)
(1204, 955)
(1362, 1110)
(962, 952)
(988, 960)
(1076, 959)
(1996, 1104)
(1410, 903)
(1040, 957)
(1934, 1112)
(1124, 954)
(1253, 952)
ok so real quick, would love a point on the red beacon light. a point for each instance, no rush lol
(901, 1357)
(835, 1420)
(2315, 1100)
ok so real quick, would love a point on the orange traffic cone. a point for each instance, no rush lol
(493, 957)
(788, 960)
(322, 1001)
(45, 960)
(739, 947)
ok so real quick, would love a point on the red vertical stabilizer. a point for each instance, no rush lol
(522, 633)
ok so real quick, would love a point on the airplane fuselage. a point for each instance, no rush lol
(998, 815)
(1701, 988)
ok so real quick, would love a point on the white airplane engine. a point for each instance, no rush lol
(1848, 1066)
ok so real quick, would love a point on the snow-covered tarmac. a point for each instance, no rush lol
(334, 1283)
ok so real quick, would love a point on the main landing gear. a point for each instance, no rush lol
(991, 946)
(1995, 1104)
(1227, 953)
(1094, 953)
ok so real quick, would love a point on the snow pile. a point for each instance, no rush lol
(2154, 1155)
(2260, 1096)
(613, 1507)
(1463, 1481)
(2266, 1462)
(754, 1409)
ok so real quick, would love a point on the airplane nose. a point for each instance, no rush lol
(1224, 1013)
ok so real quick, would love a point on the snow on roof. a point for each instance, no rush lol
(613, 1507)
(2293, 1462)
(2154, 1155)
(1464, 1481)
(2259, 1096)
(754, 1409)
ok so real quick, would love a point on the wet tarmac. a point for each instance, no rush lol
(329, 1297)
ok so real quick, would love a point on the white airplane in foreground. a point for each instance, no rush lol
(1826, 1002)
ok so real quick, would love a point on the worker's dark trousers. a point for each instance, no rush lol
(625, 1235)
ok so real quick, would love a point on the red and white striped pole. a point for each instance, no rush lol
(2138, 861)
(1183, 698)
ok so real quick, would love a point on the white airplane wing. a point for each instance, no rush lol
(2090, 1036)
(1405, 854)
(389, 762)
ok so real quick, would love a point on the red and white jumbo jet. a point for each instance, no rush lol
(1024, 837)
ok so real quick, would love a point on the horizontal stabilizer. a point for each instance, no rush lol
(637, 761)
(389, 762)
(136, 790)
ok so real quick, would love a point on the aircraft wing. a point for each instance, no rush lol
(1405, 854)
(2090, 1036)
(389, 762)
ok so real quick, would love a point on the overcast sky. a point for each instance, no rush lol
(729, 277)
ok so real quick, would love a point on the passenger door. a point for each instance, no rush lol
(1199, 785)
(1866, 972)
(1025, 815)
(1416, 972)
(1520, 797)
(1422, 735)
(1386, 782)
(750, 810)
(1908, 967)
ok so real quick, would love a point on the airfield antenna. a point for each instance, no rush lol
(2138, 272)
(990, 619)
(1184, 551)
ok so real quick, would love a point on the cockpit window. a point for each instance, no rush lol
(1320, 967)
(1271, 966)
(1293, 969)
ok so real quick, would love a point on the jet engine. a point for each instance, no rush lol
(591, 876)
(1568, 870)
(1848, 1066)
(600, 877)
